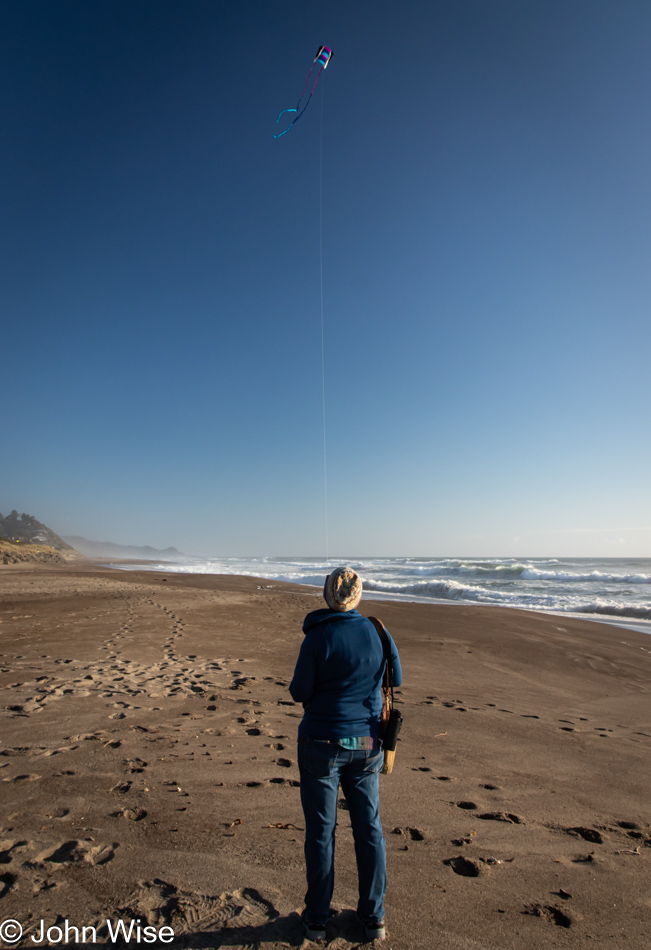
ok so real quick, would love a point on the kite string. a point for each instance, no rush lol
(307, 79)
(323, 394)
(315, 82)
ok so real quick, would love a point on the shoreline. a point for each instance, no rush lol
(623, 623)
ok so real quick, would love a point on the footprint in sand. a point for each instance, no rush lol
(508, 817)
(25, 777)
(7, 881)
(241, 681)
(74, 851)
(121, 788)
(588, 834)
(466, 867)
(160, 903)
(412, 834)
(7, 847)
(133, 814)
(553, 915)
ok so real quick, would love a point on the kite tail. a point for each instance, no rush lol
(297, 117)
(299, 103)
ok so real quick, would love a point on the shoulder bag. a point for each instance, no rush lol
(391, 718)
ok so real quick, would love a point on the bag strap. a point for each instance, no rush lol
(388, 670)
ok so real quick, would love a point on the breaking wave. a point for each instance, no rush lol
(451, 590)
(606, 587)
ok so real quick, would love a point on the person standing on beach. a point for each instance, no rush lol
(338, 679)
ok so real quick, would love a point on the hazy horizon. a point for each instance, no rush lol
(333, 556)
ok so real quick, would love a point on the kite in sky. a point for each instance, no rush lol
(323, 57)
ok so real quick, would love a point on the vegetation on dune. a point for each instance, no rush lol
(23, 538)
(15, 552)
(26, 529)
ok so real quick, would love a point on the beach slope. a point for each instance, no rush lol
(149, 773)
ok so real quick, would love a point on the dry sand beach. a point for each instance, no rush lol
(148, 768)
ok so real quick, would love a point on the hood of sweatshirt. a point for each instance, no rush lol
(326, 614)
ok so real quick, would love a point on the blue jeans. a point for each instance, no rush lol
(322, 767)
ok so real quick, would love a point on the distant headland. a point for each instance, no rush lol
(24, 538)
(112, 550)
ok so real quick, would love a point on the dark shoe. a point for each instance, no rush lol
(373, 929)
(313, 931)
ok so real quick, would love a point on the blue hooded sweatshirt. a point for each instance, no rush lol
(338, 675)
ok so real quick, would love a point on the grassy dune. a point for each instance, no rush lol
(14, 552)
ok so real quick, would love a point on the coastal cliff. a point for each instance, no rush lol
(23, 538)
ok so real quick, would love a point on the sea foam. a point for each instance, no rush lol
(607, 587)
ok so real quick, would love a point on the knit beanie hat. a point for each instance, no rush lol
(343, 589)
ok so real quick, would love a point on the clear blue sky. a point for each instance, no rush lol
(486, 275)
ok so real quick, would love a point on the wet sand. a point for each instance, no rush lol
(148, 768)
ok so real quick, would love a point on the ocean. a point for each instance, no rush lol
(617, 590)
